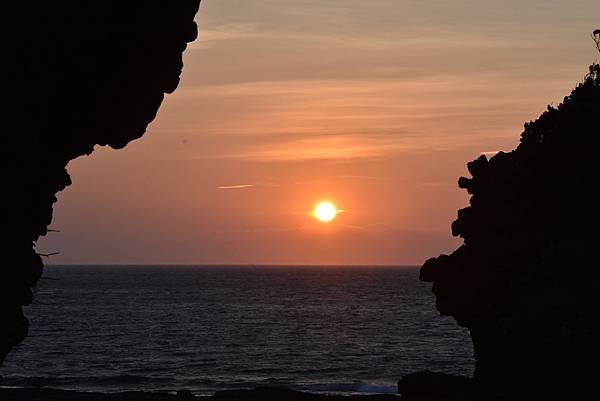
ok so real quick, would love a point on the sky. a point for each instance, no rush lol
(375, 105)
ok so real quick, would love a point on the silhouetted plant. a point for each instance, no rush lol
(595, 68)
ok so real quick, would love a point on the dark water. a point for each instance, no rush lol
(338, 329)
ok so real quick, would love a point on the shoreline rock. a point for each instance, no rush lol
(427, 386)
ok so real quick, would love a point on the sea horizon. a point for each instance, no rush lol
(205, 328)
(227, 265)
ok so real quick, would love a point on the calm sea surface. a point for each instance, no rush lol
(330, 329)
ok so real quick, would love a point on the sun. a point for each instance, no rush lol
(325, 211)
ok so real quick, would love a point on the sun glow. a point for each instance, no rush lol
(325, 211)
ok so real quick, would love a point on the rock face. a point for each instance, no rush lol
(526, 282)
(432, 386)
(80, 74)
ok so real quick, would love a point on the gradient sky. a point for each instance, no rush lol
(376, 105)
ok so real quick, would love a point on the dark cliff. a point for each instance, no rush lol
(526, 281)
(79, 74)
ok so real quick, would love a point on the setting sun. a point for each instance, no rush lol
(325, 211)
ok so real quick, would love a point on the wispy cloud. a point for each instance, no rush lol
(311, 182)
(240, 186)
(368, 177)
(303, 120)
(491, 153)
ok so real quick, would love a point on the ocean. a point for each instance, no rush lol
(207, 328)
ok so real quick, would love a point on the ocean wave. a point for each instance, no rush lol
(349, 388)
(47, 381)
(199, 386)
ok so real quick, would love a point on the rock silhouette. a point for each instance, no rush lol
(80, 74)
(432, 386)
(526, 281)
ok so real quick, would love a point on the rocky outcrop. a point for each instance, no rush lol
(80, 74)
(433, 386)
(526, 282)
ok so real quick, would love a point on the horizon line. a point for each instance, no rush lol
(223, 265)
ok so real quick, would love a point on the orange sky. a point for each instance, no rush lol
(376, 105)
